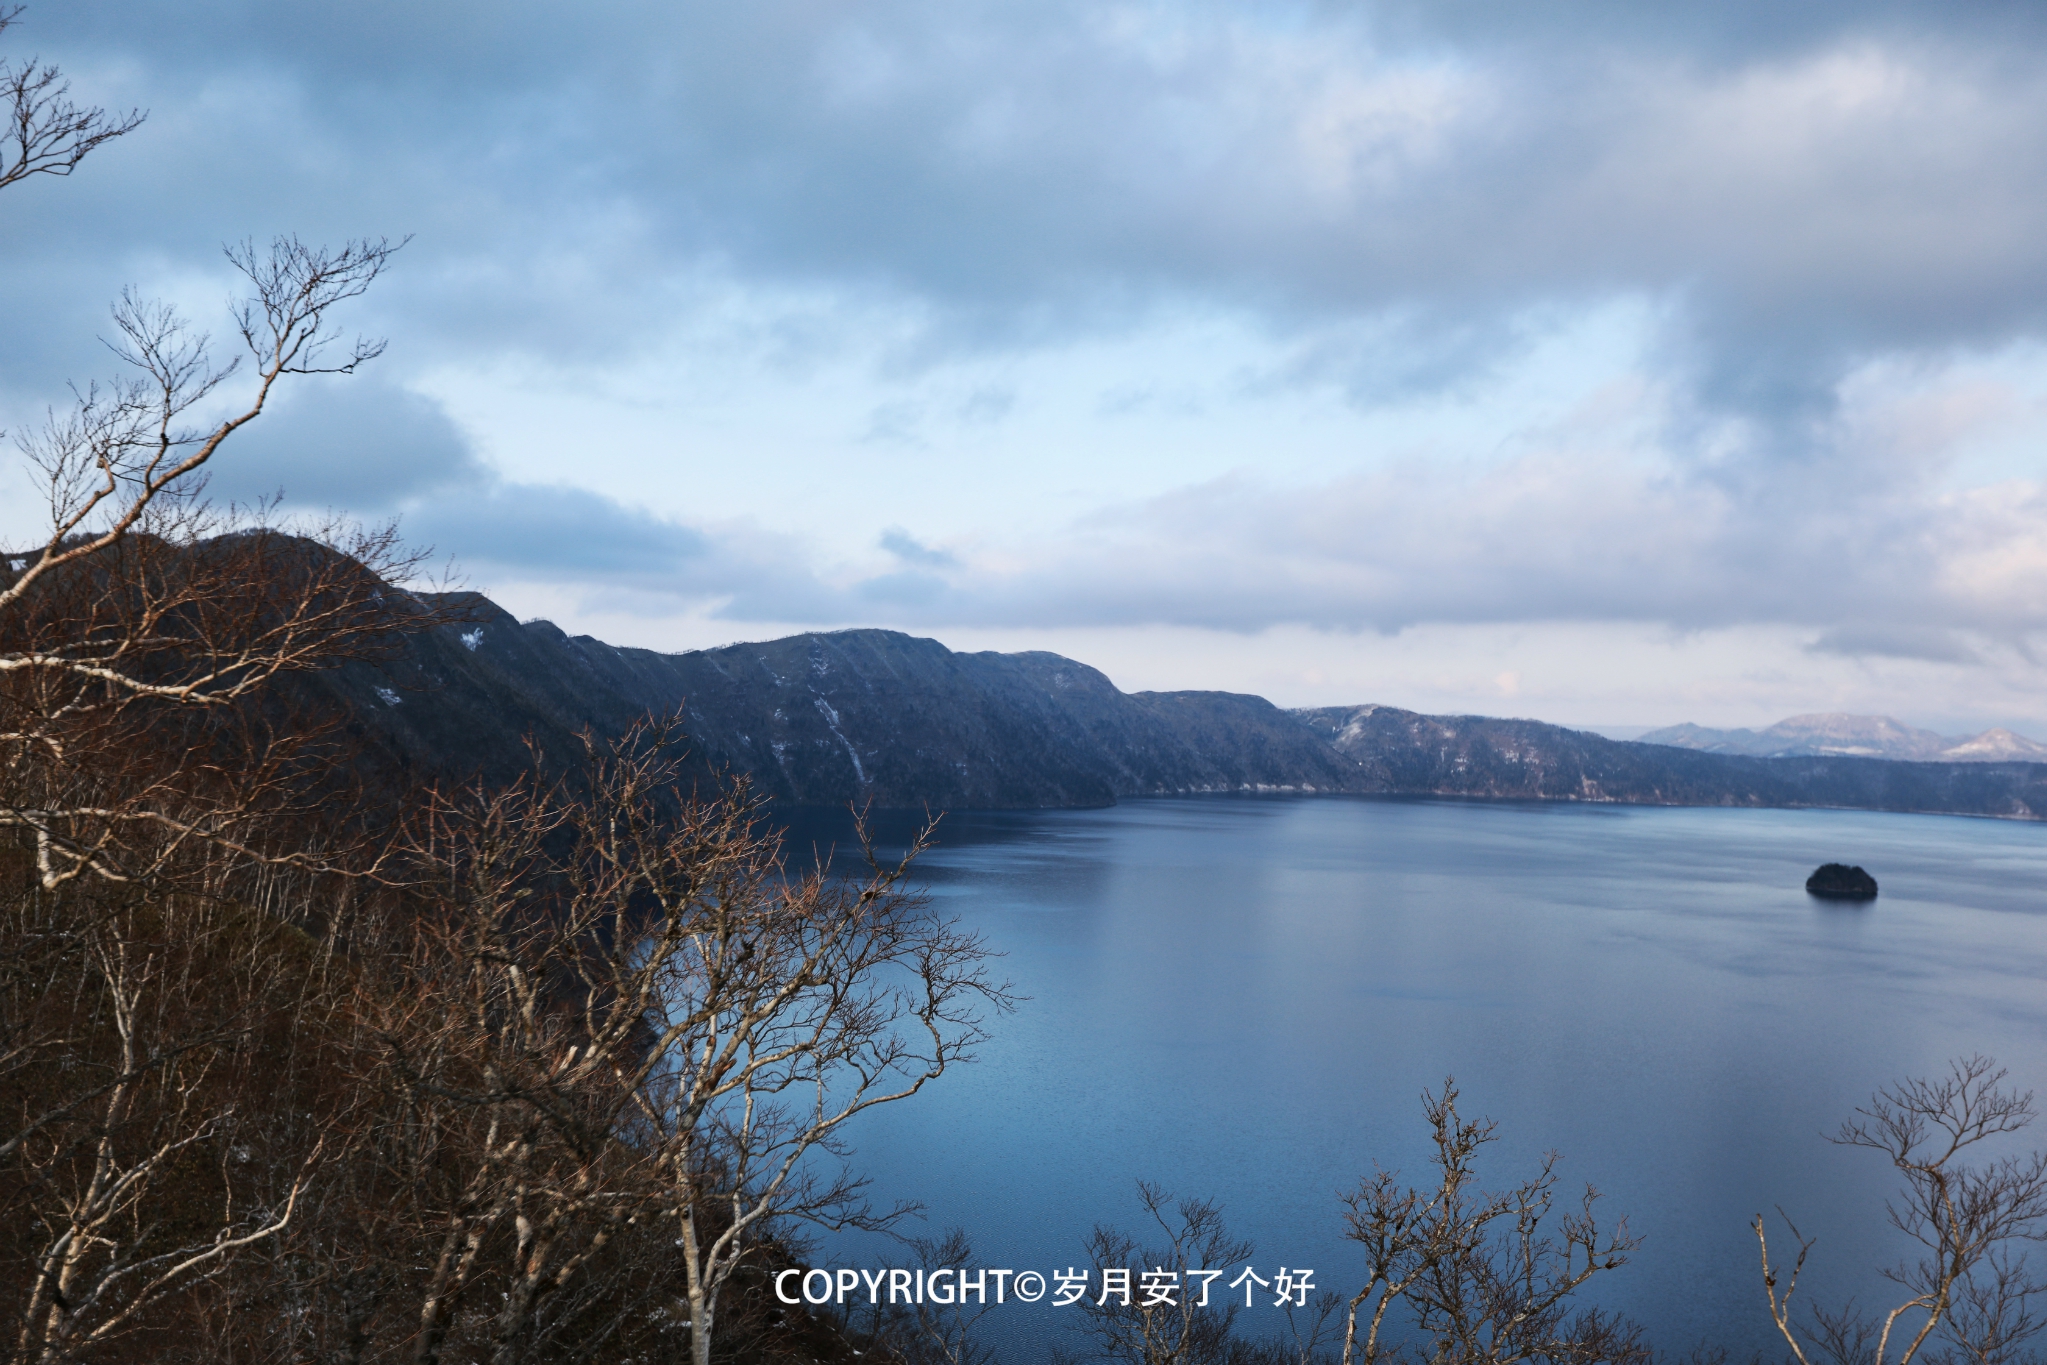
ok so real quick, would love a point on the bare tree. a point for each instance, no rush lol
(149, 1142)
(925, 1332)
(1167, 1307)
(142, 1167)
(1405, 1232)
(46, 133)
(655, 1021)
(516, 1035)
(1971, 1284)
(1481, 1279)
(791, 1003)
(1170, 1319)
(136, 633)
(145, 623)
(600, 1030)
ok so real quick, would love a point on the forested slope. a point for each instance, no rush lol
(858, 715)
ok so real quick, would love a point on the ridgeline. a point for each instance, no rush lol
(903, 722)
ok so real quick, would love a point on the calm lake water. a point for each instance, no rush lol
(1243, 999)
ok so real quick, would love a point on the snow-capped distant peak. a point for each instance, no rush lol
(1845, 736)
(1997, 746)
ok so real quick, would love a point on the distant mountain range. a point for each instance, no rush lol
(874, 715)
(1833, 733)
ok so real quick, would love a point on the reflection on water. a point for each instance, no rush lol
(1243, 999)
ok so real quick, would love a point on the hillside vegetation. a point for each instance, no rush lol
(878, 716)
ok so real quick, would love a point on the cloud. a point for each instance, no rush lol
(1807, 188)
(542, 529)
(373, 450)
(1536, 540)
(1934, 644)
(359, 443)
(1854, 543)
(1581, 519)
(1397, 198)
(907, 548)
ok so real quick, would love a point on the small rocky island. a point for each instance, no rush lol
(1840, 882)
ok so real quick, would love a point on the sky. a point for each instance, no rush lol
(1611, 364)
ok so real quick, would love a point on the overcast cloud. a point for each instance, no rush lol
(782, 313)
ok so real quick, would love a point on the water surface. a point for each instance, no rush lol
(1244, 998)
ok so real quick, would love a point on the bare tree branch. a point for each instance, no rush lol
(1477, 1272)
(1971, 1284)
(46, 133)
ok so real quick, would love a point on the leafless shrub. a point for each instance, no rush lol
(1179, 1309)
(923, 1333)
(1484, 1277)
(1971, 1290)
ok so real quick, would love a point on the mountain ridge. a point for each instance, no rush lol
(1847, 735)
(866, 715)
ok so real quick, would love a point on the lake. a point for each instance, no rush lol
(1243, 998)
